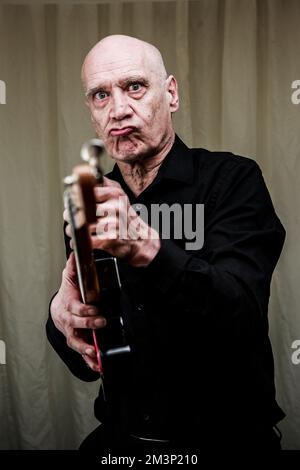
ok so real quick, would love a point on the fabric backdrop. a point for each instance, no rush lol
(235, 61)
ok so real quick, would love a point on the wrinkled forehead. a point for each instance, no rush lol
(117, 66)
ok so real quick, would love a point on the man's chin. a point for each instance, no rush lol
(126, 150)
(126, 157)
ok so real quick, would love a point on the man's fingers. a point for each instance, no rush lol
(102, 193)
(87, 322)
(109, 182)
(76, 307)
(79, 345)
(91, 363)
(66, 215)
(70, 270)
(68, 230)
(108, 227)
(92, 229)
(86, 350)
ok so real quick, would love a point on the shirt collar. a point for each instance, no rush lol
(178, 165)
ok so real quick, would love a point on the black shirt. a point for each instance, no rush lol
(196, 319)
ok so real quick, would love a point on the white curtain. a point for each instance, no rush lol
(235, 61)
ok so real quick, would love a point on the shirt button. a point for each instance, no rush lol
(146, 417)
(140, 307)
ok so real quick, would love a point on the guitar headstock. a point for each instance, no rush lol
(91, 153)
(80, 185)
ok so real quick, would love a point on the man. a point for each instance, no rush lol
(201, 369)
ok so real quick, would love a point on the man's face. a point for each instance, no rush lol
(130, 104)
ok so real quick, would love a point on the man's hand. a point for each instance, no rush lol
(73, 318)
(119, 229)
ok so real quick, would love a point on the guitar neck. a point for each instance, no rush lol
(85, 264)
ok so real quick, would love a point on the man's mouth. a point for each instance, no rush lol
(121, 132)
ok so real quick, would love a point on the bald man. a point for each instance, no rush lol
(200, 373)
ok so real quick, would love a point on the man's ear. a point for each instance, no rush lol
(172, 90)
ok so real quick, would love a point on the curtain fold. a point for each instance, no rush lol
(235, 61)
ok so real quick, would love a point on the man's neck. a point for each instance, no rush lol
(140, 174)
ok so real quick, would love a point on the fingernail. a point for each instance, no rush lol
(92, 311)
(100, 322)
(89, 352)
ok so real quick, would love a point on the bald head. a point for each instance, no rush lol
(130, 97)
(117, 49)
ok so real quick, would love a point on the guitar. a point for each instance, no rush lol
(98, 278)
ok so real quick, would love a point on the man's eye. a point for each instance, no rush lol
(100, 95)
(135, 87)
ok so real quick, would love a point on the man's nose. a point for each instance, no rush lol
(120, 106)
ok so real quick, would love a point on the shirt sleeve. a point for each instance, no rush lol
(229, 278)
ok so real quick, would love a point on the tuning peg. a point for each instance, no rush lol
(91, 151)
